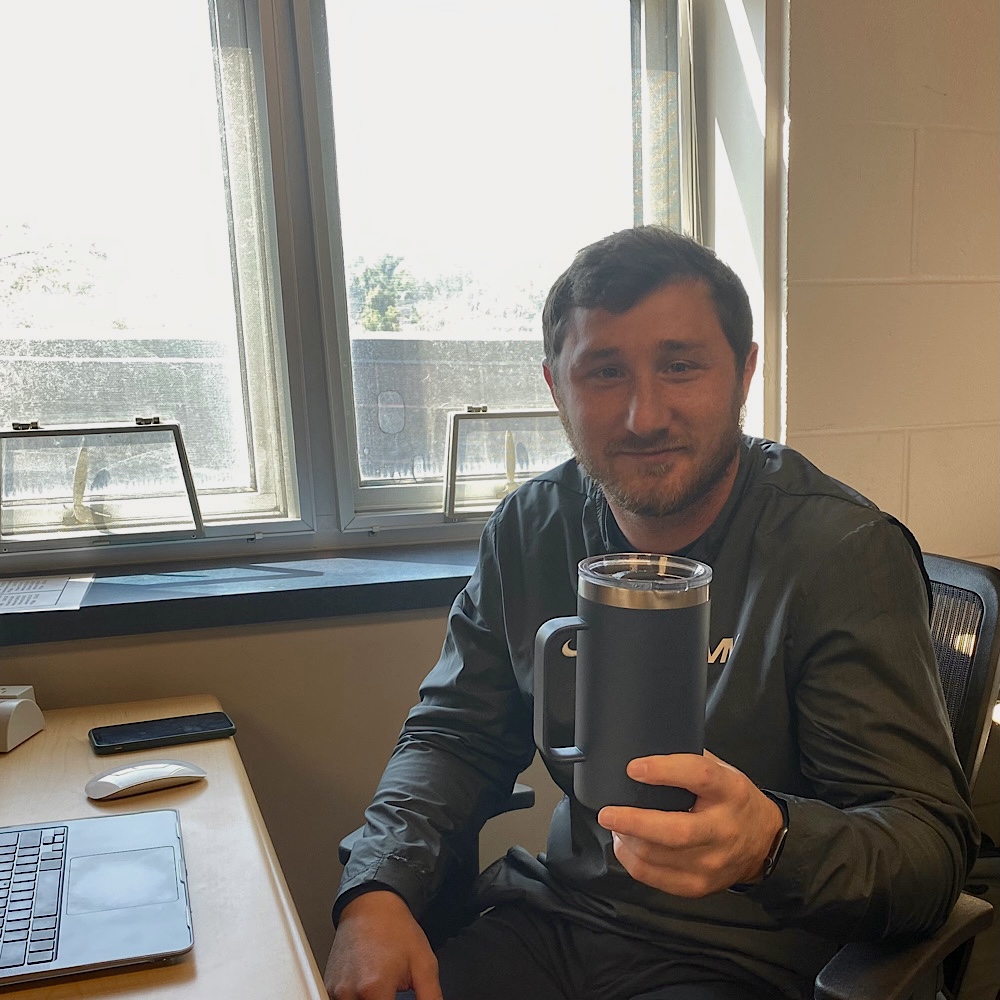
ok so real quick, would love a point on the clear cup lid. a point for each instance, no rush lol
(663, 578)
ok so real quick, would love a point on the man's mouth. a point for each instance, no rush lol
(663, 451)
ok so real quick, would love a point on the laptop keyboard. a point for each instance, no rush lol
(31, 867)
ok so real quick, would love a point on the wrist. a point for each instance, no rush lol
(777, 846)
(370, 897)
(778, 843)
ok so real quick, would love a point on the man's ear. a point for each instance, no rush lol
(749, 367)
(550, 381)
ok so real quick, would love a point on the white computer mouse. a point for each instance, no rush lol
(142, 776)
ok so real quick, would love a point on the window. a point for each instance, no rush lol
(308, 232)
(477, 148)
(137, 263)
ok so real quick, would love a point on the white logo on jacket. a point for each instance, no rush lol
(718, 655)
(721, 652)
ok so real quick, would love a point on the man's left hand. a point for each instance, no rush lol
(721, 841)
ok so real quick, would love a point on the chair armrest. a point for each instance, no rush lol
(522, 797)
(887, 971)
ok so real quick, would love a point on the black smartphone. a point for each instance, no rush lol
(161, 732)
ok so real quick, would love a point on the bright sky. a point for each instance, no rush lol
(110, 138)
(494, 132)
(491, 136)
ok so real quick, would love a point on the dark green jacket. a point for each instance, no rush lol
(822, 687)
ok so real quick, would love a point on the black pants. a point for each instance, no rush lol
(516, 953)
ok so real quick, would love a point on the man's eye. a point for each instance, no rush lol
(608, 372)
(680, 367)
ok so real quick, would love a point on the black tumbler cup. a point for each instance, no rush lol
(641, 663)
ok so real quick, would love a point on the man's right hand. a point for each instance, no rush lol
(378, 949)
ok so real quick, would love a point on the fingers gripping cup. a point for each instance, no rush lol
(641, 662)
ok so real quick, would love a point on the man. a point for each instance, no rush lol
(830, 806)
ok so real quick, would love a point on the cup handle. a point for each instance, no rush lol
(549, 640)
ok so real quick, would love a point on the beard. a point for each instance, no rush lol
(652, 491)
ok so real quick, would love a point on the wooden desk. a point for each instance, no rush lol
(248, 942)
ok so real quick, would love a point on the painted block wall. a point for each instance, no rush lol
(893, 241)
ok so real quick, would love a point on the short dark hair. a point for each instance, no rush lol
(617, 272)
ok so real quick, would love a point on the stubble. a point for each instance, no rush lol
(652, 492)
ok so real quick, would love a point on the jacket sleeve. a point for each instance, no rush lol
(884, 845)
(458, 755)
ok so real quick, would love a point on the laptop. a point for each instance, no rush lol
(87, 894)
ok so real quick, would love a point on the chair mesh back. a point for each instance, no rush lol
(956, 620)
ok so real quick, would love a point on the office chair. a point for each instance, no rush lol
(967, 646)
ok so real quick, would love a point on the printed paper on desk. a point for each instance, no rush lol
(43, 593)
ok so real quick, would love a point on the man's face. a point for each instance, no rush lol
(651, 399)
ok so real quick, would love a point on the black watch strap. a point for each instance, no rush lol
(777, 846)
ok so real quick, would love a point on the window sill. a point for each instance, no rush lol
(145, 599)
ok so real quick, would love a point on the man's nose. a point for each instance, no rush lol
(648, 408)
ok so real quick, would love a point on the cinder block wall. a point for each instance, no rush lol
(893, 337)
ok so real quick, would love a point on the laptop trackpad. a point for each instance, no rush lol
(123, 879)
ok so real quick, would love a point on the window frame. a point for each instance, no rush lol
(380, 509)
(230, 534)
(288, 39)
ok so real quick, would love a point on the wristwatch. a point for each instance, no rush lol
(777, 846)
